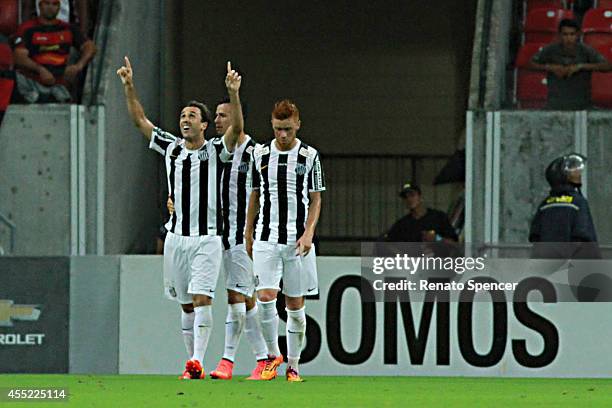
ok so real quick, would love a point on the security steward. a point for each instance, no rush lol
(564, 216)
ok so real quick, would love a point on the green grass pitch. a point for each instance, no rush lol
(317, 392)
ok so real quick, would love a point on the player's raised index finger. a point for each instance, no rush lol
(127, 62)
(229, 67)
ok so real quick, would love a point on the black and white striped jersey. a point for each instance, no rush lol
(236, 189)
(284, 180)
(194, 179)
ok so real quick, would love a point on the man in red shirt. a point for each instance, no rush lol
(42, 56)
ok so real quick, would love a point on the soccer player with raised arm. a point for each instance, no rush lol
(286, 197)
(238, 267)
(193, 246)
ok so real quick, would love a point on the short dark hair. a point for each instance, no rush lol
(204, 111)
(242, 104)
(568, 22)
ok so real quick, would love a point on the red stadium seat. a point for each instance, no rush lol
(9, 16)
(603, 4)
(601, 82)
(531, 5)
(597, 27)
(542, 25)
(531, 91)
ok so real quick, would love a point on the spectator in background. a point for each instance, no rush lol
(42, 51)
(421, 224)
(77, 12)
(569, 64)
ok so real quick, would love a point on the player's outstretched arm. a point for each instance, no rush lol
(249, 228)
(233, 81)
(135, 109)
(304, 244)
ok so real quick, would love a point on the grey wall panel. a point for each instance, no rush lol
(94, 314)
(528, 142)
(35, 178)
(132, 183)
(599, 177)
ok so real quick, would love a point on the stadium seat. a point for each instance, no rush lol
(597, 27)
(531, 91)
(531, 5)
(601, 82)
(603, 4)
(542, 25)
(9, 16)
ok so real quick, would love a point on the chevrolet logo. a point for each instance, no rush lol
(10, 311)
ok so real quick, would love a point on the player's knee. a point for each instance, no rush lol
(235, 297)
(266, 295)
(294, 303)
(201, 300)
(187, 307)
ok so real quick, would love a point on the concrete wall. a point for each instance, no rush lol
(35, 169)
(513, 148)
(132, 182)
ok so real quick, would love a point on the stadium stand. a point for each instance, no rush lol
(541, 24)
(601, 82)
(7, 77)
(603, 4)
(531, 91)
(597, 27)
(530, 5)
(9, 16)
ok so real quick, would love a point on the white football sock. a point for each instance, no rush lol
(234, 323)
(296, 328)
(187, 329)
(202, 327)
(269, 326)
(252, 329)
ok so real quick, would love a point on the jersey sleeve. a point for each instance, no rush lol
(316, 177)
(160, 140)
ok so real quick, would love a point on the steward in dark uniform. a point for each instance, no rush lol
(564, 216)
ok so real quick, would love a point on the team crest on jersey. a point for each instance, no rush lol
(203, 154)
(262, 151)
(300, 169)
(243, 167)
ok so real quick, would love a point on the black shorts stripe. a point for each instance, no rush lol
(283, 205)
(186, 195)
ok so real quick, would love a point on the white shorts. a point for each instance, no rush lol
(238, 268)
(271, 262)
(191, 266)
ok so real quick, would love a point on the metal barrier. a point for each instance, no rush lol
(361, 200)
